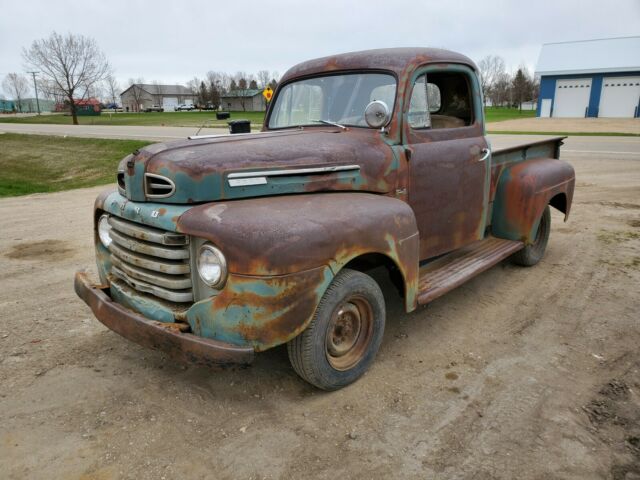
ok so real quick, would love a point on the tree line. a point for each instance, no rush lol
(504, 89)
(73, 67)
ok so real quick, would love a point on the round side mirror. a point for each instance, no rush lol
(377, 114)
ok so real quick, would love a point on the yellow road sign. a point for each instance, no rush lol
(267, 93)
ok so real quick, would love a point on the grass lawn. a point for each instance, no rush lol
(39, 163)
(169, 119)
(498, 114)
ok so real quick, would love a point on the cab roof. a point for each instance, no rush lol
(398, 60)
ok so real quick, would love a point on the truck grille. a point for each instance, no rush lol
(151, 260)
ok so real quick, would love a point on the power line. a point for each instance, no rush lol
(35, 87)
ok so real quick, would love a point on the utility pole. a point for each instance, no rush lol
(35, 87)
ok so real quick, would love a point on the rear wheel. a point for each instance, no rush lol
(533, 253)
(342, 340)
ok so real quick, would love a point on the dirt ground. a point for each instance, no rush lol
(592, 125)
(521, 373)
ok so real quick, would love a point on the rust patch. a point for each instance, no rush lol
(48, 250)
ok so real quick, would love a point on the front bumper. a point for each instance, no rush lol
(185, 347)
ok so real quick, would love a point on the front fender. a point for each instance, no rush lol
(524, 190)
(283, 235)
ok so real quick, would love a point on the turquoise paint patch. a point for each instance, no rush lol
(142, 212)
(227, 322)
(143, 305)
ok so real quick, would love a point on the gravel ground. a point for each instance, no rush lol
(591, 125)
(520, 373)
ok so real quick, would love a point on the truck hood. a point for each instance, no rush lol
(252, 165)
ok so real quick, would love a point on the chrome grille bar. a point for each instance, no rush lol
(151, 260)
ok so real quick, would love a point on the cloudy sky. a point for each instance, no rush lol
(173, 41)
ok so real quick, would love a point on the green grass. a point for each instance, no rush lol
(499, 114)
(39, 163)
(169, 119)
(566, 134)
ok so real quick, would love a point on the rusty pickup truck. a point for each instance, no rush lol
(217, 247)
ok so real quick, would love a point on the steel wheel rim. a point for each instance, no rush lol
(349, 333)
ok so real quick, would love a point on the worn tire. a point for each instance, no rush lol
(342, 340)
(533, 253)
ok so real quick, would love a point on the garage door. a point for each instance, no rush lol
(620, 97)
(169, 103)
(572, 97)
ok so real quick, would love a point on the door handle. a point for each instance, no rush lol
(485, 154)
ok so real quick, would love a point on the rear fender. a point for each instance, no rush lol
(523, 192)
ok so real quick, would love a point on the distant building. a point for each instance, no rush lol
(7, 106)
(143, 95)
(590, 78)
(250, 100)
(27, 105)
(87, 106)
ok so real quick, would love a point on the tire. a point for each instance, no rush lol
(533, 253)
(328, 354)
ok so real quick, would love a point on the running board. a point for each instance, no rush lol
(452, 270)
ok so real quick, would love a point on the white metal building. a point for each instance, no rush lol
(590, 78)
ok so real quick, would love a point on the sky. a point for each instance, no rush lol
(174, 41)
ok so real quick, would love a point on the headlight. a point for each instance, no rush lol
(104, 230)
(212, 266)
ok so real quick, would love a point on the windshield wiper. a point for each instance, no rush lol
(329, 122)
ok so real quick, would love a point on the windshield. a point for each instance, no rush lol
(333, 98)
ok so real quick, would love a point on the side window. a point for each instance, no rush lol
(441, 100)
(419, 115)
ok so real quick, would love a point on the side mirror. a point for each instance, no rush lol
(377, 114)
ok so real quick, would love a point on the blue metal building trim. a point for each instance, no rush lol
(548, 88)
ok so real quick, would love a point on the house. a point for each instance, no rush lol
(143, 95)
(84, 106)
(249, 100)
(590, 78)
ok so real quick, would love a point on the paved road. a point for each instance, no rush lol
(161, 134)
(578, 144)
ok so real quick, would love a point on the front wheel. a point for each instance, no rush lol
(342, 340)
(533, 253)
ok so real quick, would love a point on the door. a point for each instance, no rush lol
(545, 107)
(620, 97)
(572, 98)
(169, 103)
(448, 159)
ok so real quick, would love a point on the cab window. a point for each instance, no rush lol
(440, 100)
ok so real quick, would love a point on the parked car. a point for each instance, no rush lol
(217, 247)
(208, 106)
(154, 108)
(185, 107)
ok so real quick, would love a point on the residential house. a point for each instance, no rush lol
(143, 95)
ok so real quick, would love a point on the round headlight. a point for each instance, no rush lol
(104, 230)
(212, 266)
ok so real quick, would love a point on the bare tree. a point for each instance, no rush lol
(263, 78)
(112, 87)
(74, 63)
(136, 92)
(491, 70)
(500, 92)
(17, 86)
(157, 93)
